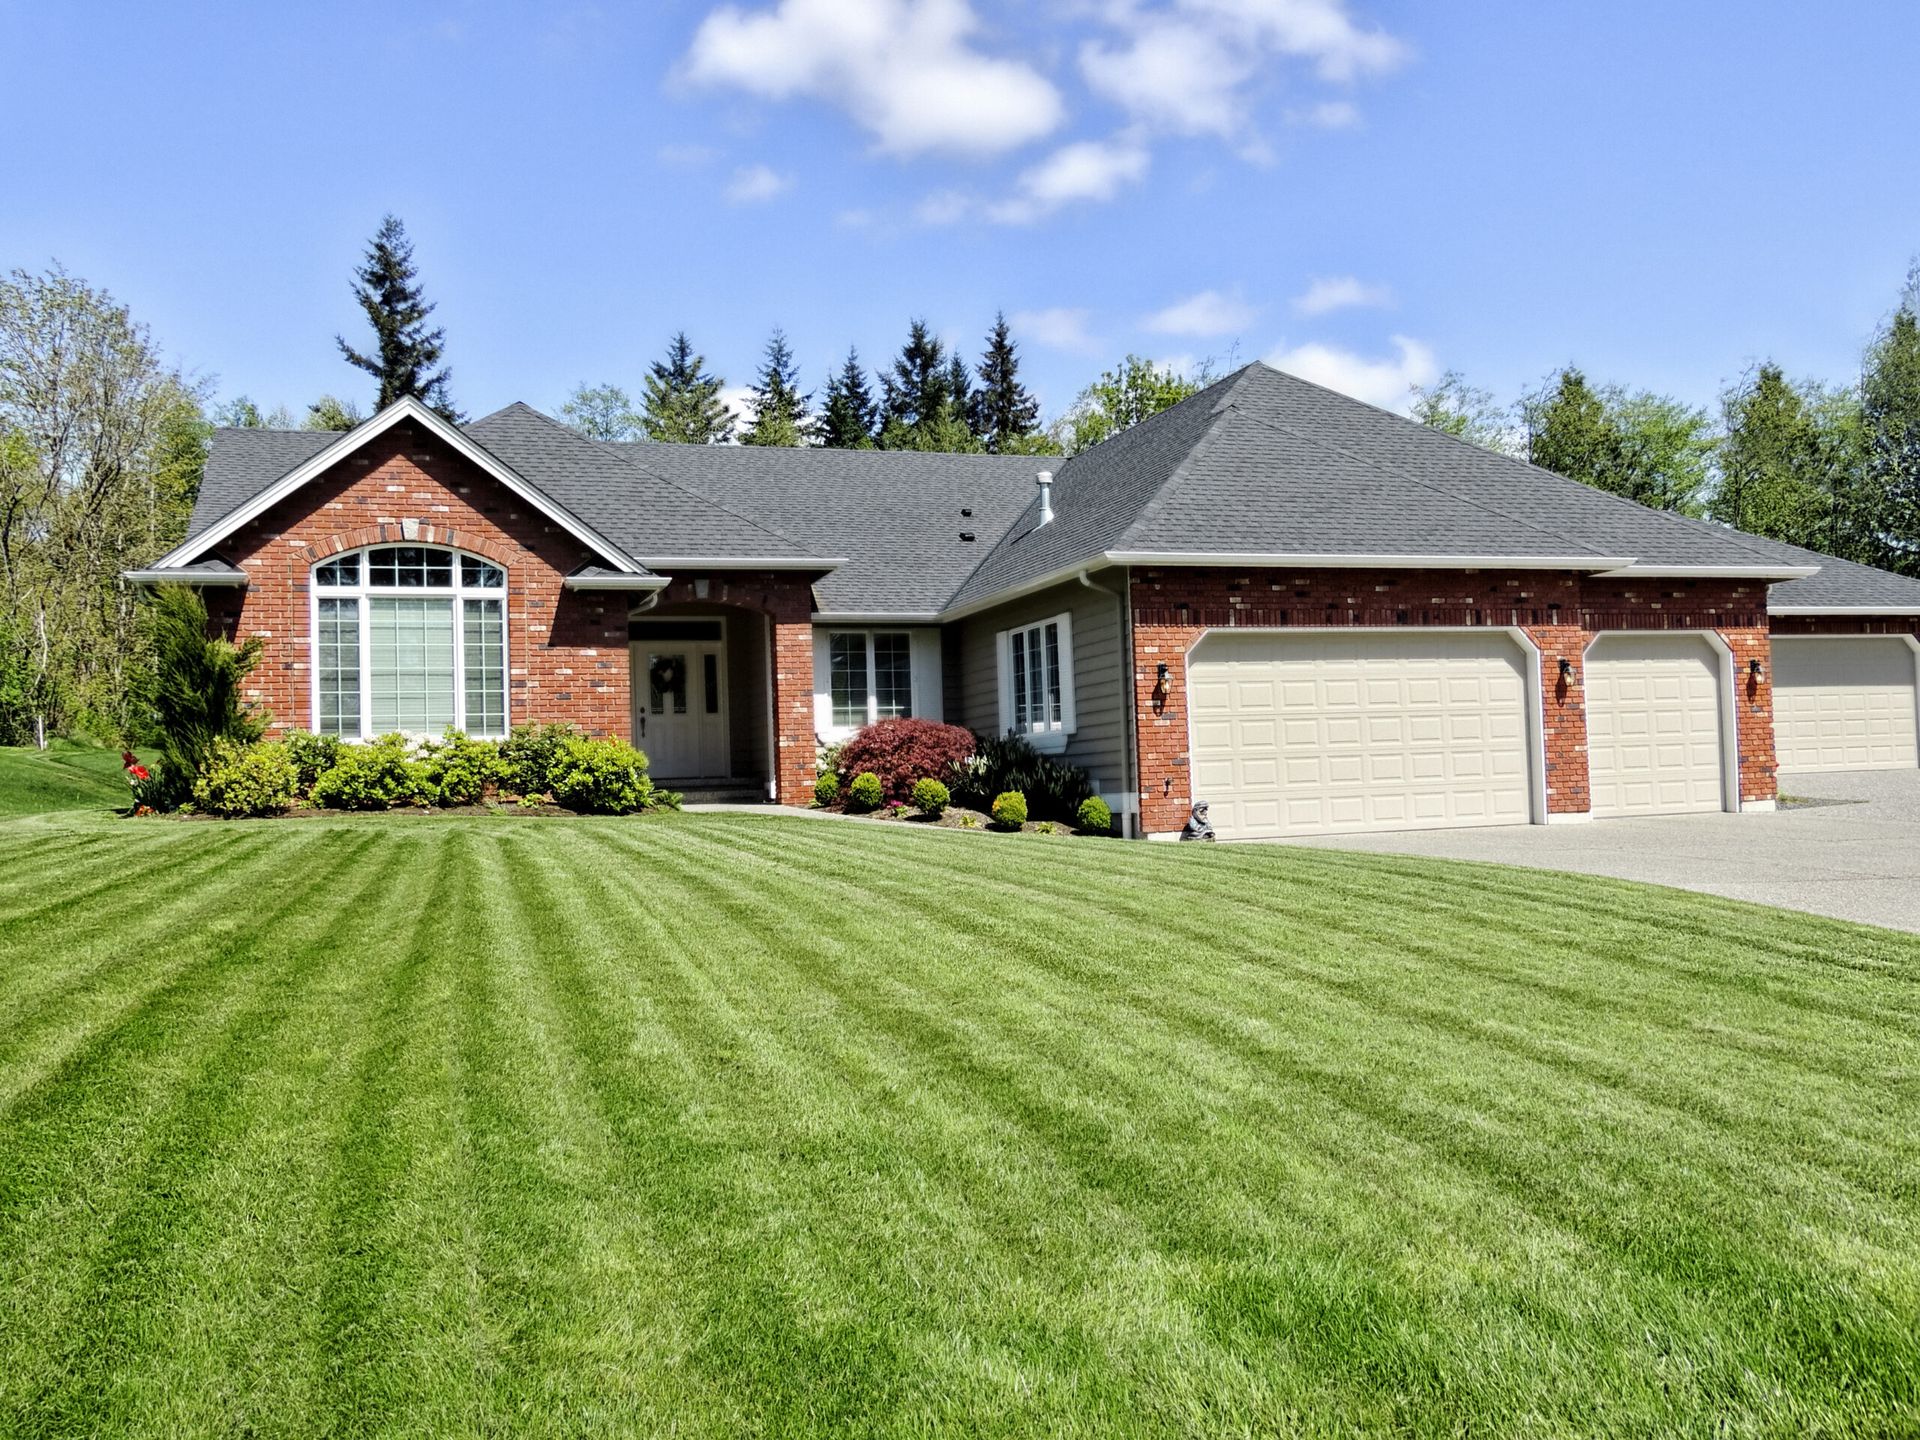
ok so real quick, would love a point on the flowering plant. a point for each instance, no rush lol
(138, 778)
(664, 676)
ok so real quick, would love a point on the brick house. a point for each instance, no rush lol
(1305, 612)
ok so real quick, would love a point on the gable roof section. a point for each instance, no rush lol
(206, 529)
(655, 520)
(897, 515)
(1263, 467)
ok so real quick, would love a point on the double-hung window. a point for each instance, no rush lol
(409, 638)
(870, 676)
(1036, 680)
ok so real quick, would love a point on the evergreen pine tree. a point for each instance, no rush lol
(848, 415)
(918, 387)
(779, 409)
(1004, 412)
(1883, 516)
(960, 397)
(1772, 461)
(683, 402)
(405, 350)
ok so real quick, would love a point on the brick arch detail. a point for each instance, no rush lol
(424, 532)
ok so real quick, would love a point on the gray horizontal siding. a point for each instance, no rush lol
(1099, 741)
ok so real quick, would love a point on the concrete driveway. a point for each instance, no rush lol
(1855, 859)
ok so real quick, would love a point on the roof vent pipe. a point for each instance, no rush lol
(1045, 481)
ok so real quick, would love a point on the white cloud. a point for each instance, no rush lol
(1340, 292)
(739, 402)
(943, 207)
(906, 70)
(1328, 115)
(1058, 328)
(1208, 313)
(1187, 66)
(754, 184)
(1386, 382)
(1085, 170)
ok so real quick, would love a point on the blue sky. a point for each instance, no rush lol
(1368, 191)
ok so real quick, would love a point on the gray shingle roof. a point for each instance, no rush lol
(243, 462)
(1263, 462)
(1260, 462)
(1841, 584)
(895, 515)
(631, 503)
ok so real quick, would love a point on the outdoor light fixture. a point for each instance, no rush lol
(1160, 674)
(1566, 668)
(1756, 670)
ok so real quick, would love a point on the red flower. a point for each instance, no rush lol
(139, 772)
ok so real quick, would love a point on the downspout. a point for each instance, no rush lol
(1129, 755)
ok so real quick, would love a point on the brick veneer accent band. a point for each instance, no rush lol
(567, 651)
(1560, 613)
(1846, 624)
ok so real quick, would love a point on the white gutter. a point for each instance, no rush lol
(1711, 572)
(876, 617)
(1589, 563)
(616, 582)
(182, 575)
(737, 562)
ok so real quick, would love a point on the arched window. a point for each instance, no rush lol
(409, 637)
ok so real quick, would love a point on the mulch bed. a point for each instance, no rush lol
(957, 817)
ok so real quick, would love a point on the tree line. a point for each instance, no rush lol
(1831, 467)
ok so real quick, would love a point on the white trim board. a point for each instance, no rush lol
(354, 439)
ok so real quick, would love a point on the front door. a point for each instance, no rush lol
(680, 708)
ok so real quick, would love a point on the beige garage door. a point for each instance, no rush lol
(1322, 732)
(1653, 724)
(1844, 704)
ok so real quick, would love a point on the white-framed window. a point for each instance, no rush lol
(1036, 680)
(869, 676)
(409, 637)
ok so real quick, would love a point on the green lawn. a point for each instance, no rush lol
(742, 1125)
(64, 776)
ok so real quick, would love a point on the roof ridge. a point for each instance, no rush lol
(606, 448)
(1154, 507)
(1483, 450)
(1424, 484)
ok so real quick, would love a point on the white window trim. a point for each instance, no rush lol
(1053, 738)
(364, 590)
(873, 674)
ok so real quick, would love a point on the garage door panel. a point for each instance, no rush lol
(1368, 731)
(1844, 703)
(1654, 741)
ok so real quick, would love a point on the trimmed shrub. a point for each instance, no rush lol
(826, 789)
(242, 780)
(1054, 789)
(902, 751)
(1095, 817)
(1010, 809)
(312, 755)
(601, 777)
(195, 692)
(528, 756)
(865, 793)
(461, 769)
(376, 776)
(931, 798)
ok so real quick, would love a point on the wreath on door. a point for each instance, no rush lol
(664, 675)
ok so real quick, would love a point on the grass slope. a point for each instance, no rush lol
(65, 776)
(741, 1125)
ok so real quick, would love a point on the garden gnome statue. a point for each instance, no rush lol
(1197, 826)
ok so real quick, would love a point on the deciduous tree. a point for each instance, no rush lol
(603, 412)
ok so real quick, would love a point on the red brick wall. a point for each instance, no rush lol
(787, 601)
(566, 650)
(1846, 624)
(1559, 613)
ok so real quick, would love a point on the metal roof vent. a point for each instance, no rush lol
(1045, 481)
